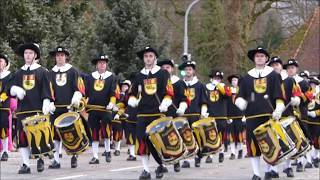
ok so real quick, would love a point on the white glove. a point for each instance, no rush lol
(115, 109)
(295, 101)
(163, 108)
(312, 114)
(133, 102)
(52, 108)
(116, 117)
(204, 111)
(76, 98)
(182, 108)
(46, 106)
(17, 91)
(229, 121)
(243, 119)
(110, 106)
(166, 102)
(241, 103)
(277, 113)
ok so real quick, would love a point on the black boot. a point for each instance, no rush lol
(274, 174)
(40, 165)
(255, 177)
(315, 162)
(299, 167)
(145, 175)
(232, 156)
(104, 153)
(185, 164)
(74, 161)
(4, 156)
(24, 170)
(163, 168)
(209, 159)
(289, 172)
(60, 155)
(240, 154)
(197, 161)
(159, 172)
(176, 167)
(54, 165)
(308, 165)
(131, 158)
(108, 157)
(116, 153)
(267, 176)
(221, 157)
(94, 161)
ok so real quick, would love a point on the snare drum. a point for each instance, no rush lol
(166, 140)
(72, 133)
(39, 135)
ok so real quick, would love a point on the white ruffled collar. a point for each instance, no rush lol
(298, 78)
(192, 82)
(174, 79)
(263, 73)
(155, 69)
(104, 75)
(211, 86)
(4, 74)
(284, 74)
(63, 68)
(32, 66)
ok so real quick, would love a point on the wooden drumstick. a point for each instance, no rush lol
(266, 97)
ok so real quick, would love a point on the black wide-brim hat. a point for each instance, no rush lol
(33, 46)
(253, 52)
(238, 76)
(5, 57)
(147, 49)
(291, 62)
(100, 58)
(125, 82)
(166, 61)
(314, 80)
(187, 64)
(216, 73)
(59, 49)
(275, 59)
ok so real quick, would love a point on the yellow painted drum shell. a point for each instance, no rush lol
(294, 131)
(207, 135)
(166, 140)
(39, 135)
(186, 133)
(274, 143)
(72, 133)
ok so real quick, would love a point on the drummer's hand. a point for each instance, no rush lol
(295, 101)
(115, 109)
(312, 114)
(76, 98)
(163, 108)
(133, 101)
(110, 106)
(243, 119)
(241, 103)
(17, 91)
(182, 108)
(46, 106)
(116, 117)
(52, 108)
(276, 114)
(229, 121)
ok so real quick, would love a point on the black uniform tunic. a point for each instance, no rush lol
(5, 81)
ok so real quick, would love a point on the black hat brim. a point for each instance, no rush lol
(182, 66)
(95, 61)
(293, 64)
(233, 76)
(141, 53)
(166, 61)
(53, 53)
(31, 46)
(251, 53)
(2, 56)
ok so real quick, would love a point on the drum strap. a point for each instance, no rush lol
(151, 115)
(28, 112)
(257, 116)
(4, 109)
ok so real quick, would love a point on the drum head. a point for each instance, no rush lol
(158, 124)
(66, 119)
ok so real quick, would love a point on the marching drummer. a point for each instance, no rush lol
(217, 106)
(179, 104)
(151, 93)
(258, 82)
(31, 85)
(196, 99)
(292, 68)
(5, 80)
(292, 93)
(236, 128)
(68, 88)
(101, 93)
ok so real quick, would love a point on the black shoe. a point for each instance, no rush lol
(289, 172)
(295, 162)
(300, 167)
(267, 176)
(24, 170)
(108, 157)
(255, 177)
(315, 162)
(117, 153)
(60, 155)
(240, 154)
(74, 161)
(94, 161)
(274, 174)
(40, 165)
(221, 157)
(104, 153)
(131, 158)
(185, 164)
(145, 175)
(308, 165)
(4, 156)
(232, 157)
(159, 172)
(208, 159)
(197, 161)
(54, 165)
(176, 167)
(163, 169)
